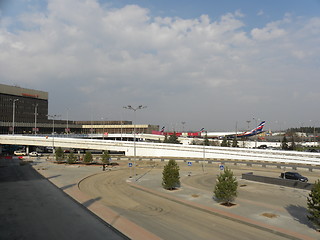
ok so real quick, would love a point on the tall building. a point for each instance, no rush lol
(25, 111)
(21, 108)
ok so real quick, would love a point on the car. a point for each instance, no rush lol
(34, 154)
(294, 176)
(19, 153)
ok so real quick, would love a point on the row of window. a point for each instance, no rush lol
(24, 108)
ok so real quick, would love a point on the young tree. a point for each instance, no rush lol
(105, 157)
(224, 142)
(206, 140)
(313, 202)
(71, 158)
(88, 157)
(170, 175)
(284, 144)
(235, 142)
(59, 154)
(226, 187)
(165, 139)
(173, 139)
(293, 144)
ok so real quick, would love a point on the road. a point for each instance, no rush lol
(165, 218)
(34, 209)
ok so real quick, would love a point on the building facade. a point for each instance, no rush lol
(25, 111)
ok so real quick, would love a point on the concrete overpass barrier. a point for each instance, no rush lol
(166, 150)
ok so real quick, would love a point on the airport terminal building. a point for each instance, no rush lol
(25, 111)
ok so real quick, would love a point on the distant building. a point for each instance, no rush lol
(25, 111)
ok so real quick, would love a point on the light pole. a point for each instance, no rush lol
(204, 149)
(183, 123)
(255, 145)
(35, 117)
(67, 122)
(134, 133)
(103, 123)
(13, 113)
(53, 117)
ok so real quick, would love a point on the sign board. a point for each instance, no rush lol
(190, 164)
(130, 164)
(221, 166)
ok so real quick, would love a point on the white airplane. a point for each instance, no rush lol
(255, 131)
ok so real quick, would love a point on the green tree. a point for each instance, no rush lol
(313, 202)
(59, 154)
(173, 139)
(165, 139)
(170, 175)
(71, 158)
(293, 144)
(226, 187)
(224, 142)
(206, 140)
(284, 143)
(235, 142)
(88, 157)
(105, 157)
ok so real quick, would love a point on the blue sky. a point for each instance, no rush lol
(207, 63)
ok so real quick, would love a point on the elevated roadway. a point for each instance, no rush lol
(149, 149)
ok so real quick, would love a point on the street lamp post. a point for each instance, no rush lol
(204, 150)
(256, 138)
(13, 113)
(53, 117)
(134, 133)
(103, 124)
(67, 122)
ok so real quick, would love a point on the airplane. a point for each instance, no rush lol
(255, 131)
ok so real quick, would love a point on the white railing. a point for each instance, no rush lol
(166, 150)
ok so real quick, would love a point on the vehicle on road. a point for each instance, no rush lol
(294, 176)
(34, 154)
(19, 153)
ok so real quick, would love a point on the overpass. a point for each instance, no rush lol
(149, 149)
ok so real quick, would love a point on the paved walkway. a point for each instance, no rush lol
(34, 209)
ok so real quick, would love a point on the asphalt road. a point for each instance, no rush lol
(163, 217)
(32, 208)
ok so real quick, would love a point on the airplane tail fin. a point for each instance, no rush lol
(259, 128)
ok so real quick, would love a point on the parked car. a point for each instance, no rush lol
(294, 176)
(34, 154)
(19, 153)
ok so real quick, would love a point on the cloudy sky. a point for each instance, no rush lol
(207, 63)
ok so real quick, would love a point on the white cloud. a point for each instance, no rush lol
(82, 52)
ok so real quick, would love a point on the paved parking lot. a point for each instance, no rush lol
(276, 207)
